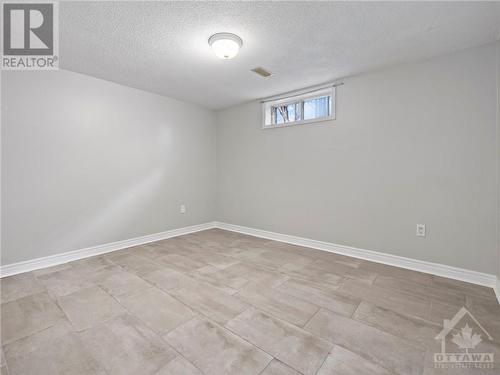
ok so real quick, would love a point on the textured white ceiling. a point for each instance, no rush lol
(162, 46)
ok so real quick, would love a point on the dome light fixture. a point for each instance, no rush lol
(225, 45)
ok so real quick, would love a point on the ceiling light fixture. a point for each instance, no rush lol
(225, 45)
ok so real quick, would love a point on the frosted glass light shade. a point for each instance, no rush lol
(225, 45)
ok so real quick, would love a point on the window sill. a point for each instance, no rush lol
(296, 123)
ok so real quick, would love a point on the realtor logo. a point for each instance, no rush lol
(30, 32)
(465, 338)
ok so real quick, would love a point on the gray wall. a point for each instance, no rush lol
(411, 144)
(87, 162)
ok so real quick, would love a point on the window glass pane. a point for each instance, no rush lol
(317, 108)
(300, 108)
(287, 113)
(279, 117)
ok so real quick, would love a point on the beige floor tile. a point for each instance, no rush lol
(97, 262)
(76, 307)
(91, 267)
(463, 287)
(441, 311)
(135, 263)
(181, 244)
(316, 275)
(211, 302)
(292, 254)
(419, 331)
(215, 350)
(484, 308)
(257, 274)
(180, 262)
(118, 254)
(19, 286)
(255, 256)
(344, 362)
(328, 299)
(56, 350)
(488, 317)
(344, 270)
(389, 351)
(219, 277)
(397, 310)
(118, 282)
(160, 251)
(394, 300)
(158, 310)
(125, 346)
(169, 279)
(293, 346)
(215, 260)
(337, 258)
(290, 268)
(485, 345)
(294, 249)
(25, 316)
(148, 251)
(46, 271)
(3, 363)
(278, 368)
(483, 301)
(64, 282)
(179, 366)
(281, 305)
(437, 293)
(214, 283)
(275, 258)
(399, 273)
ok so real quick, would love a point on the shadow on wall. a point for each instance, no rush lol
(117, 213)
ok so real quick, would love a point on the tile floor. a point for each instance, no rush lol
(217, 302)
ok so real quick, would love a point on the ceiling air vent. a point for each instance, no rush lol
(262, 72)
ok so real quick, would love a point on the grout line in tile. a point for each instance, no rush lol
(158, 334)
(234, 333)
(308, 320)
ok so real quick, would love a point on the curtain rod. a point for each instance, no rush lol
(299, 93)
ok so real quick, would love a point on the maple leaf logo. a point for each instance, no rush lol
(465, 339)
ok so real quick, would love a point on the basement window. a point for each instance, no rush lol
(300, 108)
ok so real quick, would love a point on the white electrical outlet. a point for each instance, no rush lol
(183, 209)
(420, 230)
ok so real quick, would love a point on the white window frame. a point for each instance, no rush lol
(293, 98)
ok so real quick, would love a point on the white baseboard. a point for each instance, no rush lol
(54, 260)
(497, 290)
(374, 256)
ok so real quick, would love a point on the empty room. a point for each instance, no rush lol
(250, 188)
